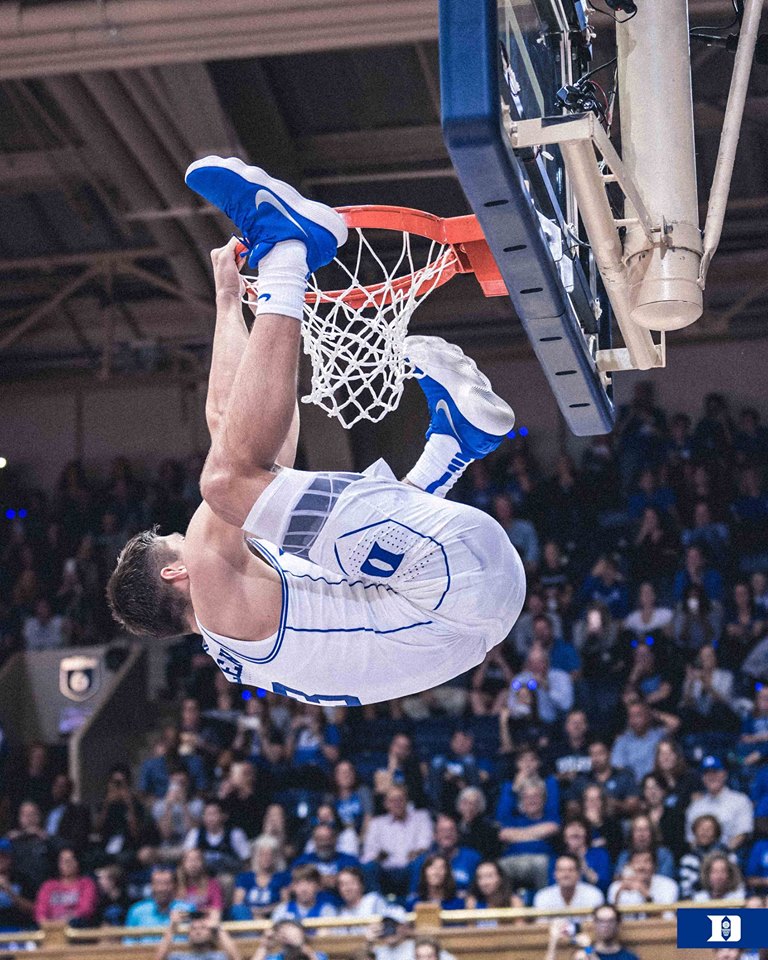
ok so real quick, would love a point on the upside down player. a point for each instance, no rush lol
(327, 587)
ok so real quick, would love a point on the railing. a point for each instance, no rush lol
(513, 938)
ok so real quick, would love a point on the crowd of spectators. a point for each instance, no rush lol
(613, 750)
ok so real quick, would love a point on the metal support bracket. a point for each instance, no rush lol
(578, 137)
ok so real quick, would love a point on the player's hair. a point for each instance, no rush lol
(140, 600)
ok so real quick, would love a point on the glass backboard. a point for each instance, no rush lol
(501, 61)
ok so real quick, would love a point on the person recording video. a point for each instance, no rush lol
(205, 939)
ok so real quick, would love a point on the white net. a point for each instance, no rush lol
(355, 336)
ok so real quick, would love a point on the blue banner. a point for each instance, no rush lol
(703, 926)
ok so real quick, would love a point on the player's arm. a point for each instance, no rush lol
(259, 412)
(230, 340)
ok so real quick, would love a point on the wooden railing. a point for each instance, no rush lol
(520, 934)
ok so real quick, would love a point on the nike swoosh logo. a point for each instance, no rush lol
(442, 405)
(264, 296)
(264, 196)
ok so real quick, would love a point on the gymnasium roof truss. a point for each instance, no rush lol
(92, 162)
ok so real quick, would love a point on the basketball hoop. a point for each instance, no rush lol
(355, 334)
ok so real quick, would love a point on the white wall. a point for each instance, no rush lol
(42, 428)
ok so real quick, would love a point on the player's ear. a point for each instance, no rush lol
(174, 571)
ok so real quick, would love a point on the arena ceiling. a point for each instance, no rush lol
(103, 103)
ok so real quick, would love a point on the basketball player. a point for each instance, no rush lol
(332, 588)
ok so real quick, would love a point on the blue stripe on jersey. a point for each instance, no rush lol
(410, 626)
(425, 536)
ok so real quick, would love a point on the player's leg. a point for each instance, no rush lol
(467, 419)
(286, 236)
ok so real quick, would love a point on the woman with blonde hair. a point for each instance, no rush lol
(257, 891)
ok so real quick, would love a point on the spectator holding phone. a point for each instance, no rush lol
(286, 940)
(205, 939)
(607, 945)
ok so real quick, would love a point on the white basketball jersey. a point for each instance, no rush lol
(343, 641)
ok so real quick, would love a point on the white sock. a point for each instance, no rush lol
(283, 280)
(439, 466)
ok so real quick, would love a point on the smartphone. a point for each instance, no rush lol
(573, 929)
(389, 927)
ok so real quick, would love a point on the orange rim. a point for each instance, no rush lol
(467, 249)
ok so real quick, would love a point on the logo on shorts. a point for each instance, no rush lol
(381, 562)
(264, 296)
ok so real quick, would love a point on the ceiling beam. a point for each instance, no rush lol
(359, 150)
(45, 263)
(63, 37)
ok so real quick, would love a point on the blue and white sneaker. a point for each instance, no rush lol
(266, 210)
(461, 401)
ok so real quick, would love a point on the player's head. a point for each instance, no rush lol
(148, 591)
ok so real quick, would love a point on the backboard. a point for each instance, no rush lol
(501, 61)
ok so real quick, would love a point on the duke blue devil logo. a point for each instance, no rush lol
(381, 562)
(743, 929)
(725, 928)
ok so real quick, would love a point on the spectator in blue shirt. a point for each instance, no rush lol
(156, 771)
(753, 742)
(635, 748)
(450, 772)
(353, 800)
(307, 898)
(156, 910)
(618, 785)
(650, 494)
(325, 857)
(758, 790)
(312, 742)
(257, 891)
(606, 584)
(594, 862)
(527, 767)
(463, 860)
(751, 504)
(697, 573)
(757, 867)
(436, 885)
(712, 537)
(527, 836)
(562, 655)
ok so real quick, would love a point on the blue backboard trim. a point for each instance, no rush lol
(493, 180)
